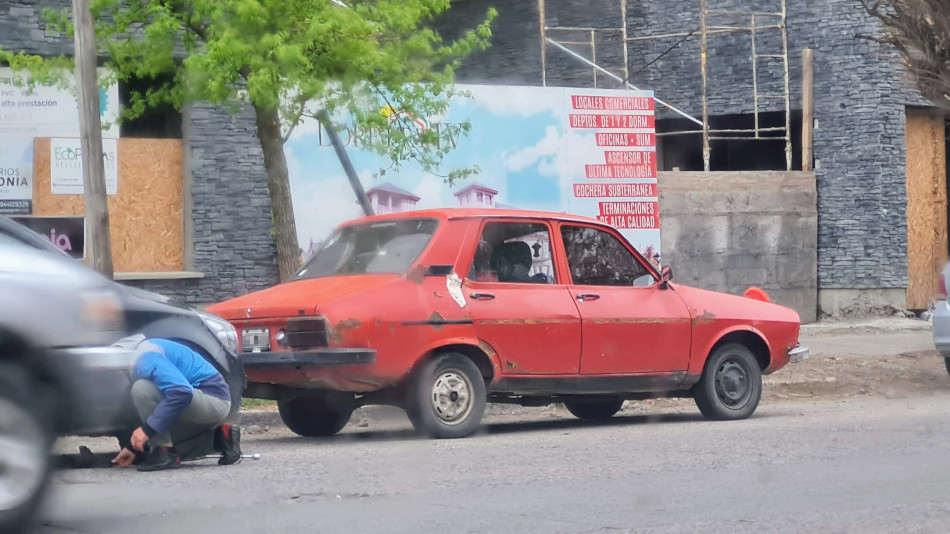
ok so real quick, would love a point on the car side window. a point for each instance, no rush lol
(514, 252)
(597, 258)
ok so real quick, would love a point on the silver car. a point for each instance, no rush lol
(56, 319)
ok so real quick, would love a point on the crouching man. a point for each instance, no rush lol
(179, 396)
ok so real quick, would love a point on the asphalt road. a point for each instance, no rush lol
(835, 462)
(873, 465)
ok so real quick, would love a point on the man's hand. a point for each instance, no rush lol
(139, 439)
(124, 458)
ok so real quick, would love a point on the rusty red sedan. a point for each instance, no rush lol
(442, 311)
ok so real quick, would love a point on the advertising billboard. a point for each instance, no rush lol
(587, 152)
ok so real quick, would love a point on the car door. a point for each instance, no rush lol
(516, 302)
(629, 324)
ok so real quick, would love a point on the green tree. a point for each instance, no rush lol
(920, 31)
(288, 59)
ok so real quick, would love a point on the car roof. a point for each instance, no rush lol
(475, 213)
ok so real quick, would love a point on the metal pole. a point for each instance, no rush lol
(90, 135)
(593, 55)
(702, 66)
(623, 29)
(619, 79)
(755, 82)
(344, 158)
(788, 95)
(544, 46)
(808, 109)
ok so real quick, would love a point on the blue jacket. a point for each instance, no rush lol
(177, 371)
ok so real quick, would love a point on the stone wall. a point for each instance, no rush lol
(859, 139)
(230, 226)
(729, 231)
(859, 102)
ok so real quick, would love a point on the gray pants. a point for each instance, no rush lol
(203, 414)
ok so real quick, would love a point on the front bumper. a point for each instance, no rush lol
(97, 383)
(798, 354)
(308, 358)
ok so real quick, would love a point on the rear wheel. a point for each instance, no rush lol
(447, 397)
(314, 417)
(594, 410)
(946, 362)
(25, 439)
(731, 384)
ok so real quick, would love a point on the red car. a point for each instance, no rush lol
(442, 311)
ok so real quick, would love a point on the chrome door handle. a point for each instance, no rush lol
(482, 296)
(588, 296)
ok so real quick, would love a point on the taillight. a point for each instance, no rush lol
(942, 288)
(306, 332)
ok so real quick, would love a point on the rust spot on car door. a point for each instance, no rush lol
(436, 320)
(707, 317)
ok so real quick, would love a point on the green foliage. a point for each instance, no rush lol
(298, 56)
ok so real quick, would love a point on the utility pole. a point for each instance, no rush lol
(344, 158)
(98, 236)
(808, 110)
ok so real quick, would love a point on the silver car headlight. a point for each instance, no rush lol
(224, 330)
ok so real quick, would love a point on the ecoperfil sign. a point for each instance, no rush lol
(16, 172)
(66, 166)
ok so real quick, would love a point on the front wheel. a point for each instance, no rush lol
(731, 384)
(447, 397)
(314, 417)
(24, 450)
(594, 410)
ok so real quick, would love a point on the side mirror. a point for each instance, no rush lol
(666, 274)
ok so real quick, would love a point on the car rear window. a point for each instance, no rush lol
(385, 247)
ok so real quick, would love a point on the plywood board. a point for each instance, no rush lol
(145, 217)
(926, 206)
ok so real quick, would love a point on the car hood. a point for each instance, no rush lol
(297, 297)
(714, 305)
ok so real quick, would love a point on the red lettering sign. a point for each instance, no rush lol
(624, 139)
(629, 122)
(639, 190)
(645, 170)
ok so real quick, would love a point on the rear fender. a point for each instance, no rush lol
(469, 344)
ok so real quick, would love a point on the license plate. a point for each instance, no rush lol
(255, 339)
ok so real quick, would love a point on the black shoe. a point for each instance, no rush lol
(159, 459)
(227, 441)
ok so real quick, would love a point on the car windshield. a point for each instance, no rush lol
(386, 247)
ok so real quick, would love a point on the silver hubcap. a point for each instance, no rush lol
(23, 456)
(452, 397)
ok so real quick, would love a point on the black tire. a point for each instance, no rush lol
(314, 417)
(731, 384)
(946, 362)
(22, 420)
(594, 410)
(457, 411)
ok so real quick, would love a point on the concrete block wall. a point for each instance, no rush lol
(729, 231)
